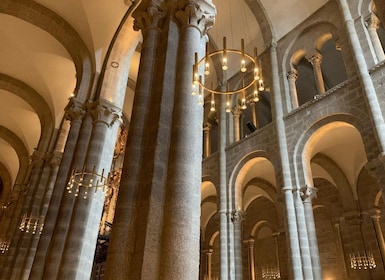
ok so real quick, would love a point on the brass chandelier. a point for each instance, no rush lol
(4, 246)
(245, 61)
(86, 181)
(31, 224)
(364, 260)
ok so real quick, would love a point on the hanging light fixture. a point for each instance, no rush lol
(363, 260)
(4, 246)
(245, 61)
(271, 273)
(31, 224)
(86, 181)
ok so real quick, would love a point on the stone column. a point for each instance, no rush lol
(292, 77)
(237, 220)
(223, 206)
(276, 235)
(207, 140)
(295, 265)
(340, 246)
(365, 79)
(250, 247)
(372, 24)
(181, 222)
(380, 237)
(307, 194)
(209, 254)
(316, 60)
(130, 233)
(303, 238)
(81, 239)
(74, 113)
(236, 121)
(52, 241)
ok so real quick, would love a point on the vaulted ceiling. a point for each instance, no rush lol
(42, 41)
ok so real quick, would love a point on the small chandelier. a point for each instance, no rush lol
(4, 246)
(31, 224)
(362, 260)
(271, 273)
(245, 59)
(88, 180)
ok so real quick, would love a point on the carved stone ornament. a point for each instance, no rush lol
(308, 193)
(199, 14)
(102, 111)
(148, 16)
(74, 110)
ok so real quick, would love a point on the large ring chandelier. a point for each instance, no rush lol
(245, 62)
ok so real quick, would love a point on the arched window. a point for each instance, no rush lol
(333, 68)
(306, 86)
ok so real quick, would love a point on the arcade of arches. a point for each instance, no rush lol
(288, 187)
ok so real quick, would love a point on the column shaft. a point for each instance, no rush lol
(181, 240)
(307, 195)
(366, 81)
(295, 265)
(373, 24)
(292, 77)
(80, 241)
(237, 130)
(121, 251)
(75, 114)
(315, 60)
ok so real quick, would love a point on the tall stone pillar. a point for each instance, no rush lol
(316, 60)
(141, 194)
(74, 113)
(295, 265)
(341, 249)
(209, 254)
(81, 239)
(223, 194)
(372, 24)
(61, 205)
(181, 240)
(303, 237)
(307, 194)
(250, 247)
(236, 121)
(157, 222)
(292, 77)
(237, 219)
(379, 235)
(207, 140)
(365, 79)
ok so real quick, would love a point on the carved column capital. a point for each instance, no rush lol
(148, 16)
(207, 127)
(237, 111)
(237, 216)
(74, 111)
(198, 14)
(104, 112)
(308, 193)
(372, 21)
(315, 59)
(292, 75)
(250, 242)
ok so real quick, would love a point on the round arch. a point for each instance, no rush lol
(254, 164)
(37, 103)
(64, 33)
